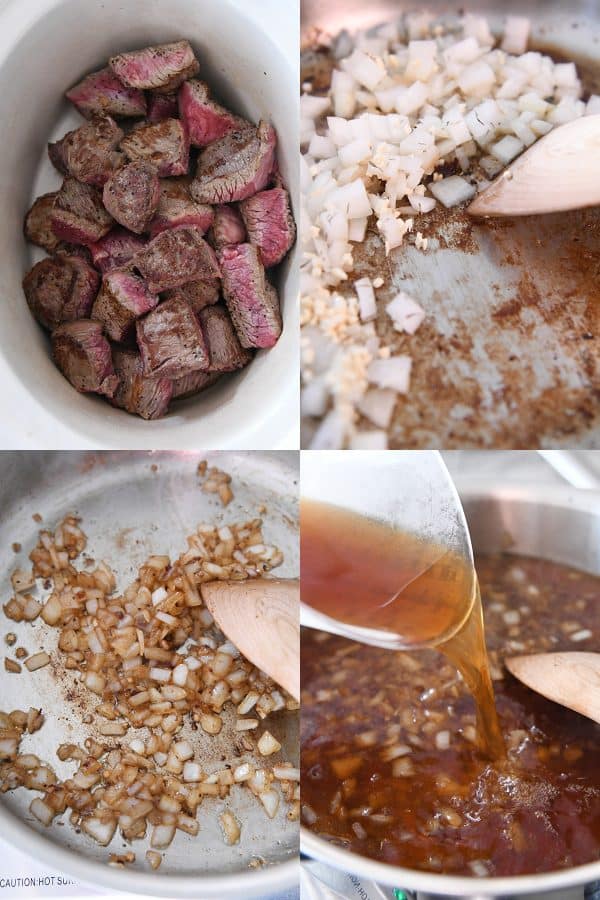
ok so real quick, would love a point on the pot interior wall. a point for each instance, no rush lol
(554, 22)
(247, 72)
(557, 532)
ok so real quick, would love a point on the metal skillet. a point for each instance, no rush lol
(134, 504)
(508, 356)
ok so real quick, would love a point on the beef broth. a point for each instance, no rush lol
(390, 763)
(363, 572)
(360, 571)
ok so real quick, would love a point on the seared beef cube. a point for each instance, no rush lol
(131, 195)
(252, 302)
(193, 383)
(270, 224)
(57, 158)
(171, 341)
(161, 69)
(38, 223)
(89, 153)
(116, 249)
(101, 93)
(176, 187)
(82, 354)
(197, 293)
(176, 207)
(174, 212)
(206, 120)
(162, 106)
(60, 289)
(224, 349)
(236, 166)
(166, 145)
(276, 178)
(123, 298)
(79, 216)
(79, 250)
(175, 257)
(137, 394)
(227, 227)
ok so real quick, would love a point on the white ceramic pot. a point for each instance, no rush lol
(249, 53)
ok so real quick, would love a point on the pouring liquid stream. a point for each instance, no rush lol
(361, 572)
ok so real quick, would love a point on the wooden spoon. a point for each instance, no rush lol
(560, 171)
(572, 679)
(262, 618)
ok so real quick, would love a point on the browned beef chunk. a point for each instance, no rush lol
(59, 289)
(224, 349)
(176, 257)
(38, 223)
(174, 211)
(131, 195)
(176, 207)
(197, 293)
(137, 394)
(171, 341)
(79, 216)
(80, 250)
(123, 298)
(178, 187)
(116, 249)
(89, 153)
(227, 227)
(166, 145)
(206, 120)
(276, 179)
(161, 69)
(55, 154)
(82, 354)
(191, 384)
(252, 302)
(236, 166)
(270, 224)
(101, 93)
(162, 106)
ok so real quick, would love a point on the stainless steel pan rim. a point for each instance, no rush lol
(473, 492)
(252, 884)
(448, 885)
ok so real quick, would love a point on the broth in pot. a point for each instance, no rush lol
(391, 767)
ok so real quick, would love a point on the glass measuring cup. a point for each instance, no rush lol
(406, 577)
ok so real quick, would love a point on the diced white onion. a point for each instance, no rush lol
(391, 373)
(369, 440)
(452, 191)
(405, 313)
(367, 305)
(270, 801)
(267, 744)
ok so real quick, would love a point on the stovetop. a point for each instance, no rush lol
(321, 882)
